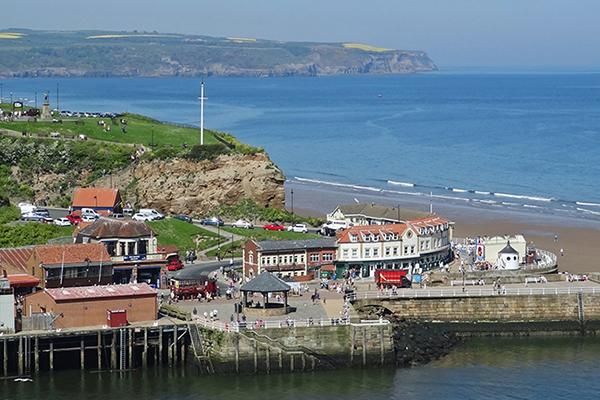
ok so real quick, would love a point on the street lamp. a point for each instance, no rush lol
(463, 279)
(218, 238)
(292, 193)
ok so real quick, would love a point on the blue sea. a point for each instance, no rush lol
(521, 141)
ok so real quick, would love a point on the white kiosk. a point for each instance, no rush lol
(508, 258)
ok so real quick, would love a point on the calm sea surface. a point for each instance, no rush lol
(522, 141)
(484, 369)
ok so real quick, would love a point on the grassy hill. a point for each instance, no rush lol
(29, 53)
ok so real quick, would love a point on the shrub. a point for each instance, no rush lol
(206, 152)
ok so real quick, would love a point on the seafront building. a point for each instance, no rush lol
(104, 201)
(300, 260)
(423, 243)
(372, 214)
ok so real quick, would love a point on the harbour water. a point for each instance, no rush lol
(540, 368)
(517, 141)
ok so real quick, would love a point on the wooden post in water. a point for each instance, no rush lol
(381, 346)
(113, 351)
(268, 360)
(255, 356)
(20, 357)
(5, 357)
(364, 347)
(175, 342)
(99, 350)
(130, 346)
(82, 353)
(237, 353)
(51, 355)
(36, 355)
(160, 345)
(291, 362)
(145, 352)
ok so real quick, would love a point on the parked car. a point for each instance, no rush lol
(174, 264)
(42, 211)
(89, 212)
(325, 231)
(240, 223)
(128, 211)
(183, 217)
(274, 227)
(216, 221)
(117, 215)
(74, 219)
(62, 222)
(152, 213)
(298, 228)
(142, 217)
(89, 218)
(35, 217)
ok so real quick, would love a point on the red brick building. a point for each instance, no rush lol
(296, 259)
(104, 201)
(88, 306)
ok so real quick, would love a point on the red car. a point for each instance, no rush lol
(74, 219)
(174, 264)
(274, 227)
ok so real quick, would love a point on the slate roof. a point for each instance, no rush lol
(114, 228)
(376, 211)
(265, 282)
(307, 244)
(508, 249)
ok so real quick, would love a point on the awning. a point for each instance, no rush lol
(328, 268)
(23, 281)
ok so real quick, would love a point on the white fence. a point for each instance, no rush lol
(475, 292)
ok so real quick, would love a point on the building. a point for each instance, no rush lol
(132, 247)
(295, 259)
(508, 258)
(69, 265)
(422, 243)
(372, 214)
(492, 246)
(13, 265)
(7, 307)
(89, 305)
(104, 201)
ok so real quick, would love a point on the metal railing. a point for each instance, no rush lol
(474, 292)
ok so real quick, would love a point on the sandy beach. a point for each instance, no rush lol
(578, 238)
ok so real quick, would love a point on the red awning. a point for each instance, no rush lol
(23, 281)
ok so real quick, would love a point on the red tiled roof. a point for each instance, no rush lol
(344, 236)
(100, 292)
(432, 221)
(14, 260)
(95, 197)
(72, 253)
(23, 280)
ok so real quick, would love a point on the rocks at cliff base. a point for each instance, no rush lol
(417, 343)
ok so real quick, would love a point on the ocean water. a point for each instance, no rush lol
(522, 141)
(503, 369)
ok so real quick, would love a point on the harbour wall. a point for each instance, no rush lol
(523, 314)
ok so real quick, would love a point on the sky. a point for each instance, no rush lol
(455, 33)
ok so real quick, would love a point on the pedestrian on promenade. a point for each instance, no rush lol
(562, 252)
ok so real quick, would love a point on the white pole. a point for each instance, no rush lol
(62, 267)
(202, 113)
(430, 202)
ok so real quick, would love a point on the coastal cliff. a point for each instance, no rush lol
(181, 186)
(30, 53)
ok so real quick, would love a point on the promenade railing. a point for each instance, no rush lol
(474, 292)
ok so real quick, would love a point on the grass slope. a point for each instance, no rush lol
(261, 234)
(182, 234)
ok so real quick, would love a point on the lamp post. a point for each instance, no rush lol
(96, 199)
(218, 238)
(463, 279)
(292, 195)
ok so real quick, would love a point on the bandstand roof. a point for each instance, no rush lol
(266, 282)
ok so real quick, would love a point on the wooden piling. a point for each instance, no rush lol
(99, 350)
(145, 351)
(175, 343)
(255, 356)
(20, 357)
(51, 355)
(268, 360)
(113, 351)
(36, 355)
(364, 347)
(160, 345)
(237, 353)
(5, 357)
(130, 347)
(82, 354)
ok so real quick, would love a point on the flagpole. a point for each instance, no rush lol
(62, 267)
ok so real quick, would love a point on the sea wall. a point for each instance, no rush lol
(294, 349)
(497, 314)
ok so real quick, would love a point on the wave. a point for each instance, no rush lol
(319, 182)
(439, 196)
(530, 206)
(456, 190)
(405, 184)
(405, 193)
(588, 211)
(581, 203)
(523, 197)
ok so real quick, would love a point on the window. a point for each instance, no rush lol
(405, 249)
(295, 259)
(345, 253)
(388, 251)
(375, 252)
(412, 249)
(367, 237)
(142, 247)
(354, 253)
(263, 260)
(395, 251)
(367, 252)
(353, 237)
(111, 248)
(327, 257)
(314, 258)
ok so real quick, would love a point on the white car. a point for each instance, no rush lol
(152, 213)
(298, 228)
(89, 218)
(240, 223)
(142, 217)
(61, 222)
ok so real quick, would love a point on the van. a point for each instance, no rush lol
(89, 212)
(151, 212)
(336, 224)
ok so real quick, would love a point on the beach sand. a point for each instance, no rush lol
(578, 238)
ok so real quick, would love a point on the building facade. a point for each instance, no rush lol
(70, 265)
(88, 306)
(132, 247)
(104, 201)
(293, 259)
(420, 243)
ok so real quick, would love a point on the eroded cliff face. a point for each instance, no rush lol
(197, 188)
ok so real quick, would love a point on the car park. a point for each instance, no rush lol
(301, 228)
(215, 221)
(274, 227)
(241, 223)
(89, 218)
(62, 222)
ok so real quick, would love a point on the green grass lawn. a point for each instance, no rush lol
(226, 248)
(139, 130)
(182, 234)
(30, 233)
(261, 234)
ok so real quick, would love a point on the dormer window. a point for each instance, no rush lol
(353, 237)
